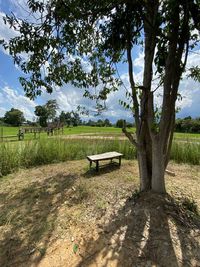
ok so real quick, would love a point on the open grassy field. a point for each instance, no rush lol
(96, 130)
(65, 215)
(78, 142)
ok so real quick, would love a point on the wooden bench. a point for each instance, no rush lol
(105, 156)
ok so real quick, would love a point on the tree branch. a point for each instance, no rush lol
(130, 136)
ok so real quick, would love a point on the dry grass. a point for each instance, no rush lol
(47, 212)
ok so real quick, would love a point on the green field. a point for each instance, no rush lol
(95, 130)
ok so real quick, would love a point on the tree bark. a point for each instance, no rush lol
(154, 138)
(158, 167)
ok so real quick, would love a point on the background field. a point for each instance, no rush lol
(96, 130)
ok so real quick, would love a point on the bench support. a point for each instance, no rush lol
(97, 163)
(105, 156)
(120, 158)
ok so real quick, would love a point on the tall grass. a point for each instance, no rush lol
(44, 151)
(186, 152)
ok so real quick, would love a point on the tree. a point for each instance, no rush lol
(107, 123)
(42, 113)
(14, 117)
(51, 107)
(70, 118)
(47, 112)
(62, 117)
(75, 118)
(104, 33)
(120, 123)
(100, 123)
(187, 125)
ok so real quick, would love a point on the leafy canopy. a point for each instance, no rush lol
(47, 112)
(14, 117)
(81, 42)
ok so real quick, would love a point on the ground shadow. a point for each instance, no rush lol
(142, 233)
(103, 169)
(28, 218)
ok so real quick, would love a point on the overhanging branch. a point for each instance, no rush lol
(130, 136)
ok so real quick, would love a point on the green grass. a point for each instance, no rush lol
(90, 129)
(186, 152)
(14, 155)
(187, 136)
(52, 150)
(67, 131)
(44, 151)
(94, 130)
(9, 130)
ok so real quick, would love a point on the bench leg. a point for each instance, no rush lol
(119, 161)
(97, 165)
(90, 164)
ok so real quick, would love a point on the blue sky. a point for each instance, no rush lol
(68, 97)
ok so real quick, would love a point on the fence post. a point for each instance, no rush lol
(2, 134)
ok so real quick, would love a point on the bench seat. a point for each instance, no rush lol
(104, 156)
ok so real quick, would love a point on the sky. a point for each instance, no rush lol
(69, 97)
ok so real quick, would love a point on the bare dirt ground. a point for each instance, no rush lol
(64, 215)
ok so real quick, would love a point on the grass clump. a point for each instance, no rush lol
(189, 204)
(186, 152)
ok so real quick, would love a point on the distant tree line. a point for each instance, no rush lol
(188, 125)
(98, 123)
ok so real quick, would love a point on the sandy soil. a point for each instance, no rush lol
(66, 215)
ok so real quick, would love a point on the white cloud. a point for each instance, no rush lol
(5, 31)
(2, 111)
(10, 98)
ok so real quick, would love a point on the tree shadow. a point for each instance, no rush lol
(103, 169)
(141, 233)
(28, 218)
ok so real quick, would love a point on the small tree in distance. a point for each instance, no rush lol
(70, 118)
(120, 123)
(103, 34)
(47, 112)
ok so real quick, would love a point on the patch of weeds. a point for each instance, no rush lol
(189, 204)
(75, 248)
(42, 251)
(129, 178)
(101, 204)
(82, 192)
(135, 194)
(86, 168)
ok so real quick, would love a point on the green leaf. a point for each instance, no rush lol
(75, 248)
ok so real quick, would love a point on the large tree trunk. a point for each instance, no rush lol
(152, 168)
(145, 175)
(158, 167)
(153, 135)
